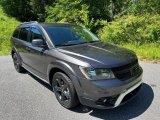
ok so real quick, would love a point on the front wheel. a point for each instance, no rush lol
(64, 90)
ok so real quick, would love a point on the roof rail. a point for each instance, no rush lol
(64, 22)
(30, 22)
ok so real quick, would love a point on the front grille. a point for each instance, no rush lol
(127, 71)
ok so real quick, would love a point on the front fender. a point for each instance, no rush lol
(61, 65)
(68, 70)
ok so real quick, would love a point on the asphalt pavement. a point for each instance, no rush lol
(25, 97)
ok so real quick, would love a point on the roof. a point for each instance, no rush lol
(58, 24)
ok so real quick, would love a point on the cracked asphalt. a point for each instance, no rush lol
(25, 97)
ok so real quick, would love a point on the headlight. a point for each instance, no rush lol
(99, 73)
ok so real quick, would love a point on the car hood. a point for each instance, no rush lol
(100, 54)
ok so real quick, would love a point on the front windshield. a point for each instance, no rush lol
(72, 35)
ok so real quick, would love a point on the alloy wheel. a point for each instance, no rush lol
(62, 91)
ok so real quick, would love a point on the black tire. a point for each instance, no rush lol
(17, 64)
(64, 90)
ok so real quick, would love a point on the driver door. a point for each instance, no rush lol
(37, 57)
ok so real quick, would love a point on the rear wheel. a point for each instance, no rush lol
(17, 64)
(64, 90)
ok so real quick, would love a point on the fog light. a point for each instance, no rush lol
(107, 101)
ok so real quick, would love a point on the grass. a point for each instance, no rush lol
(146, 52)
(7, 26)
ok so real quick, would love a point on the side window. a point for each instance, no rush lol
(36, 34)
(16, 33)
(24, 34)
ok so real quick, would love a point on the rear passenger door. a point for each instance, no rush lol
(21, 42)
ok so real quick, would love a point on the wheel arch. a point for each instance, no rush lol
(59, 66)
(13, 51)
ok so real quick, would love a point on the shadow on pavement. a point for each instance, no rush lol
(41, 82)
(132, 109)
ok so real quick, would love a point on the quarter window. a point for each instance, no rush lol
(16, 33)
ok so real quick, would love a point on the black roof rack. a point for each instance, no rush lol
(31, 22)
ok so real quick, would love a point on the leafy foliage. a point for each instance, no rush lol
(88, 13)
(7, 27)
(70, 11)
(38, 8)
(105, 9)
(139, 7)
(132, 29)
(20, 9)
(26, 10)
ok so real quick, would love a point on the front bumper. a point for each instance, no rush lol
(105, 94)
(126, 92)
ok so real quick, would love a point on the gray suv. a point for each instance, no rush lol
(77, 64)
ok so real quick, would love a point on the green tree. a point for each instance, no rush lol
(20, 9)
(38, 7)
(85, 12)
(26, 10)
(105, 9)
(140, 7)
(73, 11)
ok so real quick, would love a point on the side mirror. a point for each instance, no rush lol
(38, 43)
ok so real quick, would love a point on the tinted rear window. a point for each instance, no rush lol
(16, 33)
(24, 34)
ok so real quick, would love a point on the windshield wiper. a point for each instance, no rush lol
(92, 41)
(59, 45)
